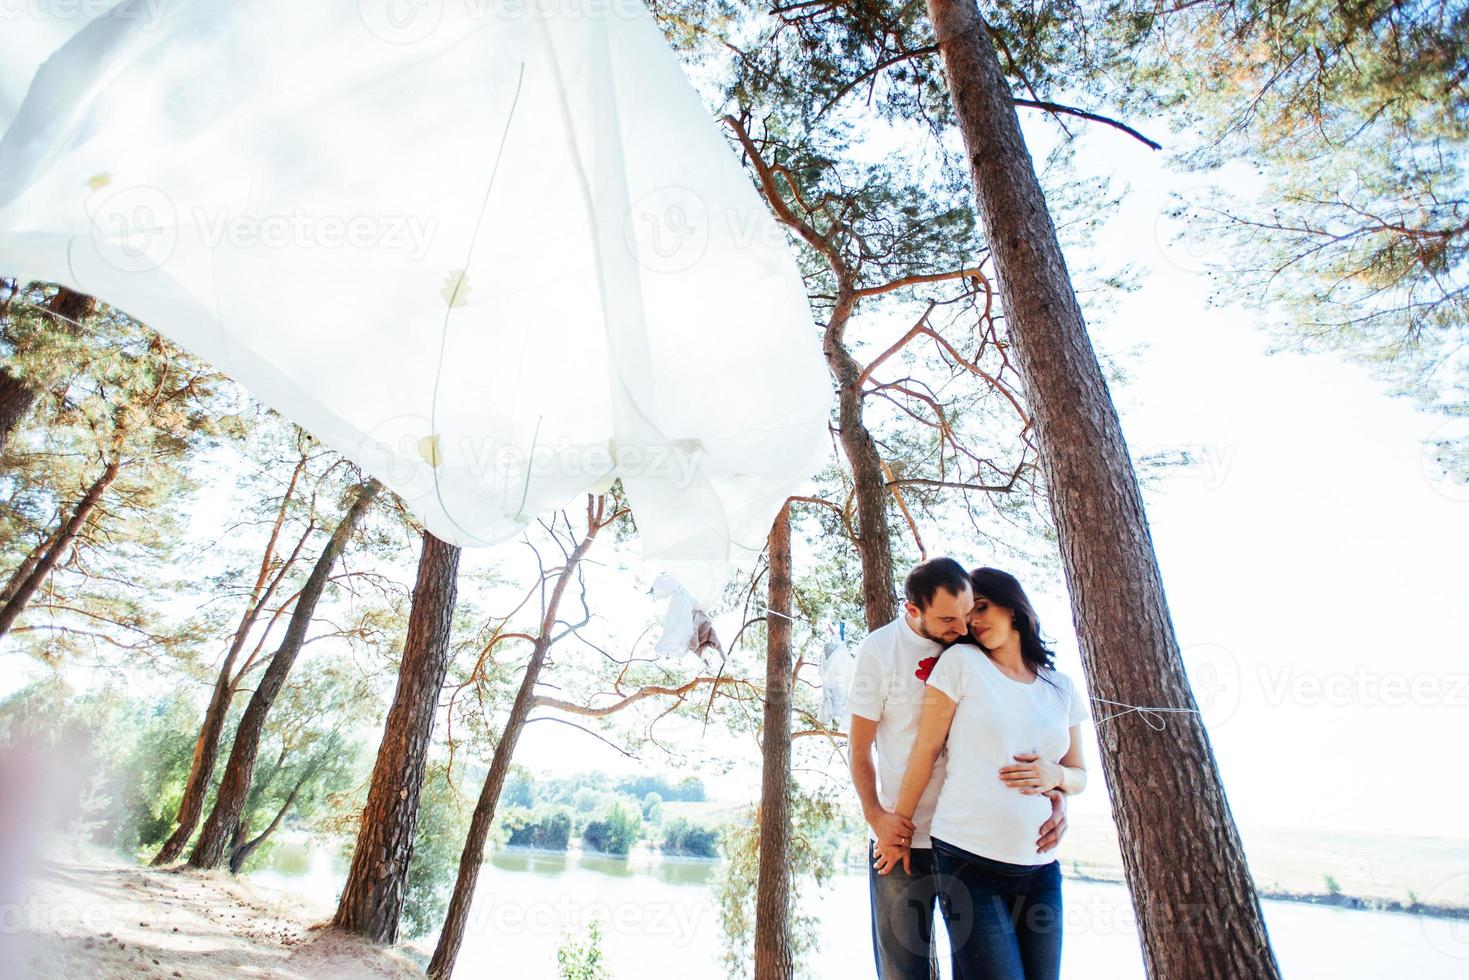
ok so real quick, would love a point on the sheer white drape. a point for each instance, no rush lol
(495, 251)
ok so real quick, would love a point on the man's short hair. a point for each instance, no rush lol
(927, 577)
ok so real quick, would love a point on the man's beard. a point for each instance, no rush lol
(964, 638)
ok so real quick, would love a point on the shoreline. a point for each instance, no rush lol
(1357, 903)
(1341, 900)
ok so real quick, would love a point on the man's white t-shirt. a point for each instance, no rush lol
(997, 718)
(886, 689)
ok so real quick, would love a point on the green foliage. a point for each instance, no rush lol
(682, 836)
(306, 758)
(519, 788)
(112, 394)
(811, 853)
(1354, 235)
(123, 760)
(443, 824)
(650, 801)
(582, 960)
(547, 826)
(616, 831)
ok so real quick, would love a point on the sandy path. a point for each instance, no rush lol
(94, 917)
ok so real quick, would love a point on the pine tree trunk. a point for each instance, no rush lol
(773, 959)
(451, 936)
(23, 571)
(234, 786)
(18, 394)
(201, 768)
(874, 543)
(372, 898)
(1197, 909)
(20, 597)
(206, 746)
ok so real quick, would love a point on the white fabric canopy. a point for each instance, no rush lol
(495, 251)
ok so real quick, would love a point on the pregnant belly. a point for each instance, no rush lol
(1007, 816)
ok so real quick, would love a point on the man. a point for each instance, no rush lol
(893, 663)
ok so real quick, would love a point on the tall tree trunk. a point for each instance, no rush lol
(372, 898)
(874, 543)
(234, 786)
(18, 394)
(23, 571)
(1197, 909)
(773, 959)
(451, 936)
(26, 588)
(206, 746)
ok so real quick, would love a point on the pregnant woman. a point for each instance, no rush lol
(1012, 722)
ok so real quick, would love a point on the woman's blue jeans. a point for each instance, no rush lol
(1004, 920)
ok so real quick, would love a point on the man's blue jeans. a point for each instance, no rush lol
(902, 918)
(1004, 920)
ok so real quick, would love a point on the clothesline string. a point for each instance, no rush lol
(1146, 711)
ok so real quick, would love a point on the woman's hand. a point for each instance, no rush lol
(1032, 775)
(888, 857)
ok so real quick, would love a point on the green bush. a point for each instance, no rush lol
(547, 826)
(650, 801)
(617, 830)
(682, 836)
(582, 960)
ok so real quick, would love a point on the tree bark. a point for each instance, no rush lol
(773, 960)
(234, 786)
(18, 394)
(451, 936)
(206, 746)
(372, 898)
(23, 571)
(874, 541)
(20, 597)
(1197, 909)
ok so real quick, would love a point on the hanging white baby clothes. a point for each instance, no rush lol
(686, 627)
(837, 665)
(496, 254)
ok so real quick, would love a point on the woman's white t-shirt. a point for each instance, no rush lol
(996, 718)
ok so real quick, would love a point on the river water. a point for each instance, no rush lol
(659, 915)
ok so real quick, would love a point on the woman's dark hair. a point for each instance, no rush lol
(1003, 589)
